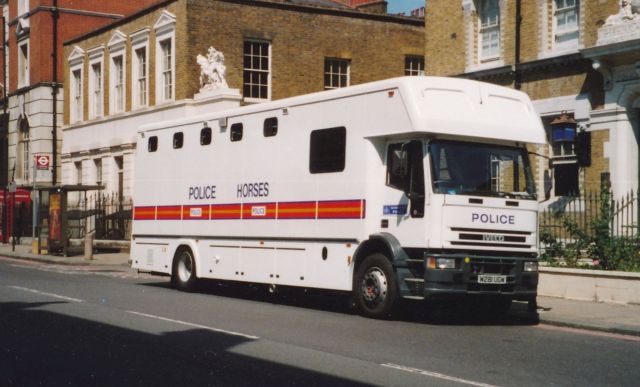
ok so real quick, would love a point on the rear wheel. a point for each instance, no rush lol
(183, 274)
(375, 287)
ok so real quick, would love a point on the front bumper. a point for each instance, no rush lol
(463, 280)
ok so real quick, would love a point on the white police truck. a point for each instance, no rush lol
(413, 187)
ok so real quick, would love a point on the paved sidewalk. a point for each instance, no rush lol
(613, 318)
(599, 316)
(99, 259)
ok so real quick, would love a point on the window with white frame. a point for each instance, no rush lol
(23, 64)
(256, 70)
(116, 75)
(140, 77)
(566, 24)
(95, 90)
(165, 57)
(413, 65)
(488, 30)
(140, 68)
(166, 70)
(76, 95)
(336, 73)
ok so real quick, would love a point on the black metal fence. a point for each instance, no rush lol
(577, 214)
(22, 221)
(109, 216)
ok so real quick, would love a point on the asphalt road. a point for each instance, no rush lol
(79, 327)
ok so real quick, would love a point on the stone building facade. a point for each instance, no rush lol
(143, 69)
(31, 83)
(573, 56)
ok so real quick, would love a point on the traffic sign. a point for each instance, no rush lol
(42, 162)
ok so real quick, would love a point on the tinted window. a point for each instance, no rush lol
(270, 127)
(178, 140)
(236, 131)
(152, 145)
(205, 136)
(327, 151)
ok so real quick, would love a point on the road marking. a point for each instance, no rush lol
(436, 375)
(194, 325)
(47, 294)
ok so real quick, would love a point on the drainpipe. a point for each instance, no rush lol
(517, 77)
(5, 162)
(54, 93)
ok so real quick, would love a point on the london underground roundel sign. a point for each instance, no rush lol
(42, 161)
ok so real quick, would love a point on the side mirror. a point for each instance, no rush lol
(403, 157)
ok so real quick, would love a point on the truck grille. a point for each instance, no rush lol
(500, 266)
(491, 238)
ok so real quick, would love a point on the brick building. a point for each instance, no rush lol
(31, 78)
(576, 56)
(143, 68)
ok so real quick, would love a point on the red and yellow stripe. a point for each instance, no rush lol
(169, 213)
(226, 211)
(297, 210)
(329, 209)
(196, 212)
(341, 209)
(259, 211)
(144, 213)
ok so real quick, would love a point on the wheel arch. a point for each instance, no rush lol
(383, 243)
(386, 244)
(191, 245)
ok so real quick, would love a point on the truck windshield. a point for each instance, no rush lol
(480, 169)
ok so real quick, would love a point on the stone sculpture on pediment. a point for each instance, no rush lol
(212, 70)
(629, 10)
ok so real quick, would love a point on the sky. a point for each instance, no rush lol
(397, 6)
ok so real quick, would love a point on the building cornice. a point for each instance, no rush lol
(568, 61)
(614, 49)
(25, 89)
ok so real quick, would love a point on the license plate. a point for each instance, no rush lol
(492, 279)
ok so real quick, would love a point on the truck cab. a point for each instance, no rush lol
(465, 213)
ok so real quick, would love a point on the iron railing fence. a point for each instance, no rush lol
(108, 215)
(577, 214)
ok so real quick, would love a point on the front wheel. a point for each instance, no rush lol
(375, 287)
(183, 275)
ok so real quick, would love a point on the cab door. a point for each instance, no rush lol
(404, 195)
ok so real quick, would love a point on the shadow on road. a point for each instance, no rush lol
(453, 312)
(40, 347)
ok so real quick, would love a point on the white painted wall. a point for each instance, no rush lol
(111, 137)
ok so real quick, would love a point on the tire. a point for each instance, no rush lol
(183, 275)
(375, 287)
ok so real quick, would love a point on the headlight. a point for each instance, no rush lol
(441, 263)
(531, 266)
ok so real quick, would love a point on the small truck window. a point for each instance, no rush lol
(178, 140)
(153, 144)
(327, 150)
